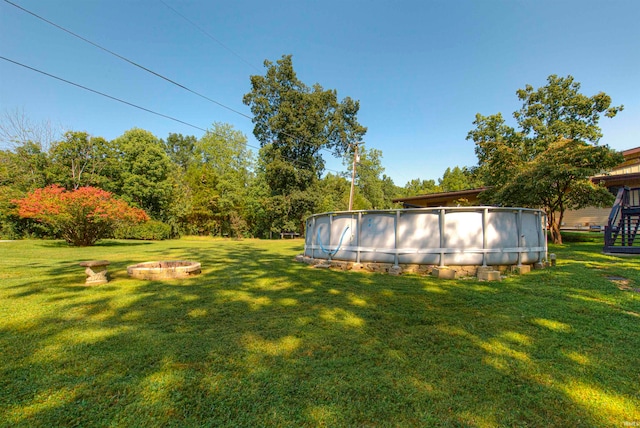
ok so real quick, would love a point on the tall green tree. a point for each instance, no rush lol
(217, 178)
(25, 167)
(547, 161)
(376, 188)
(458, 179)
(81, 160)
(256, 213)
(226, 160)
(294, 123)
(180, 149)
(298, 121)
(144, 172)
(289, 200)
(334, 193)
(419, 187)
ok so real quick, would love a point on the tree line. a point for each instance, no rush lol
(214, 185)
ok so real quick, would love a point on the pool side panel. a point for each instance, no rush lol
(463, 236)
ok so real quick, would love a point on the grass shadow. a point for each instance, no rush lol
(100, 243)
(257, 339)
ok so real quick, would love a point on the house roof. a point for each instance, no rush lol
(609, 180)
(435, 199)
(631, 179)
(631, 152)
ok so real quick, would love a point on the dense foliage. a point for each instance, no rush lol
(81, 216)
(293, 123)
(548, 161)
(297, 121)
(214, 185)
(152, 230)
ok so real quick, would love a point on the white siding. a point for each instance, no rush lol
(585, 218)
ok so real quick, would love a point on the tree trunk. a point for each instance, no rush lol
(556, 237)
(554, 226)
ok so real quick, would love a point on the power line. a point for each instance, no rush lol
(102, 93)
(135, 64)
(210, 36)
(292, 162)
(237, 55)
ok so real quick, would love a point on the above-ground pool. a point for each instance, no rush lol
(444, 236)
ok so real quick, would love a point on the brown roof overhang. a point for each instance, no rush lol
(440, 197)
(634, 151)
(632, 179)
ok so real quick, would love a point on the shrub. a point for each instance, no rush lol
(578, 237)
(14, 227)
(151, 230)
(81, 216)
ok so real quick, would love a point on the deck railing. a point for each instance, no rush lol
(622, 227)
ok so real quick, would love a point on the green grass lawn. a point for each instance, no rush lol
(259, 340)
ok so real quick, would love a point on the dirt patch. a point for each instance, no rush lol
(623, 283)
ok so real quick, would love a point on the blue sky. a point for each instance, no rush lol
(420, 69)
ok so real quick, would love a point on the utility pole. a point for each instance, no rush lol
(356, 159)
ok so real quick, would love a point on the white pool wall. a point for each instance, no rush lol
(444, 236)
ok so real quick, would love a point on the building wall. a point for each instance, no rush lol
(630, 169)
(585, 218)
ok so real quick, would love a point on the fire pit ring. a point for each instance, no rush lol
(166, 269)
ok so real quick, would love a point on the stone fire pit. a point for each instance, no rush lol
(164, 270)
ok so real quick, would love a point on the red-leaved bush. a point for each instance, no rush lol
(82, 216)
